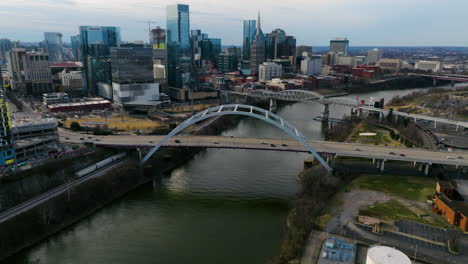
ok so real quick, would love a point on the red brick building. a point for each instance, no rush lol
(455, 212)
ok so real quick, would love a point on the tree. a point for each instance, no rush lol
(75, 126)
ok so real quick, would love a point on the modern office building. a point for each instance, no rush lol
(301, 49)
(268, 71)
(289, 47)
(373, 56)
(249, 35)
(433, 66)
(5, 47)
(178, 46)
(7, 151)
(53, 46)
(30, 72)
(37, 73)
(75, 47)
(279, 37)
(95, 44)
(210, 50)
(227, 62)
(257, 51)
(133, 77)
(311, 65)
(339, 45)
(16, 70)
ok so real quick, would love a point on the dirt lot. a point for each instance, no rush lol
(127, 123)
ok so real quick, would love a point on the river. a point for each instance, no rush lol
(223, 206)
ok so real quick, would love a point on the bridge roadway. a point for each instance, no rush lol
(421, 156)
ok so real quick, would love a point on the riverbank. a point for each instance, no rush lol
(399, 83)
(317, 187)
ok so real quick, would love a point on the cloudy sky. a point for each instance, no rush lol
(312, 22)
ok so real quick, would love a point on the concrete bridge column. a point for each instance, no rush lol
(382, 166)
(377, 163)
(360, 112)
(326, 112)
(452, 83)
(456, 129)
(381, 116)
(273, 106)
(373, 161)
(420, 167)
(396, 117)
(434, 83)
(435, 124)
(426, 169)
(415, 164)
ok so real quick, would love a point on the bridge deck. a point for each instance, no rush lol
(340, 149)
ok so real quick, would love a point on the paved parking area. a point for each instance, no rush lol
(422, 230)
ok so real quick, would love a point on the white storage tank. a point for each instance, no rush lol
(386, 255)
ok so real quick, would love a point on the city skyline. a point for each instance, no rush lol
(411, 26)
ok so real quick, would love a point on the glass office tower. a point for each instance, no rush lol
(53, 45)
(75, 45)
(249, 35)
(95, 44)
(178, 46)
(5, 47)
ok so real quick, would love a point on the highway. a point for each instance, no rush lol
(28, 205)
(340, 149)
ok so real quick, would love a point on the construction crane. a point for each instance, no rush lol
(149, 26)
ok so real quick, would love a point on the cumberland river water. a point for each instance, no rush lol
(223, 206)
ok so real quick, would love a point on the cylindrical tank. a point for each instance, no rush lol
(386, 255)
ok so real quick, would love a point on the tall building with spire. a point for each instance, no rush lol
(257, 50)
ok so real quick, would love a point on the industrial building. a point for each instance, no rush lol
(449, 203)
(335, 251)
(85, 106)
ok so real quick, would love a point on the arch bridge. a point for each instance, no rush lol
(243, 110)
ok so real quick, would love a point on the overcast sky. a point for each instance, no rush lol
(312, 22)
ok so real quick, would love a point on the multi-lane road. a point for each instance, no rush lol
(340, 149)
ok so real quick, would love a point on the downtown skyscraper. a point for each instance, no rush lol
(249, 35)
(53, 46)
(178, 46)
(257, 50)
(95, 43)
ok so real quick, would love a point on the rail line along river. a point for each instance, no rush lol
(223, 206)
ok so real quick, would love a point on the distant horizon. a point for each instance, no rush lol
(386, 23)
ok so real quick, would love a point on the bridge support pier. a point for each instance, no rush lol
(420, 167)
(381, 116)
(452, 83)
(426, 169)
(373, 161)
(382, 166)
(326, 112)
(434, 82)
(456, 129)
(273, 105)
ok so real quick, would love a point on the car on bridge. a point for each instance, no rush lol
(177, 141)
(273, 145)
(392, 153)
(284, 145)
(358, 149)
(264, 143)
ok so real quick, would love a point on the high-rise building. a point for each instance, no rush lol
(7, 150)
(227, 62)
(95, 43)
(301, 49)
(373, 56)
(53, 46)
(249, 35)
(132, 76)
(311, 65)
(268, 71)
(158, 38)
(339, 45)
(210, 49)
(279, 37)
(257, 51)
(178, 46)
(289, 47)
(16, 70)
(5, 47)
(75, 46)
(37, 73)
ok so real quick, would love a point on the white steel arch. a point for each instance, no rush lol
(289, 95)
(246, 110)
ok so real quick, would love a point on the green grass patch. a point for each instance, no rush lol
(409, 187)
(393, 210)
